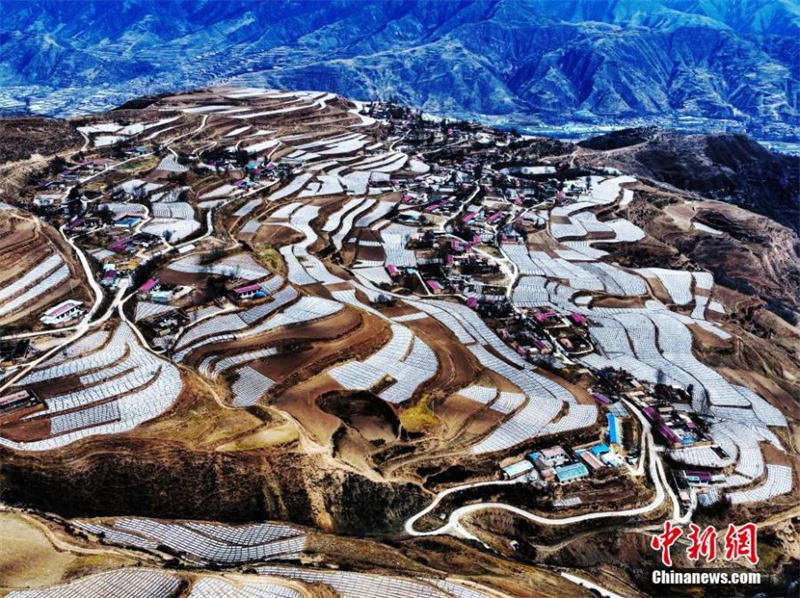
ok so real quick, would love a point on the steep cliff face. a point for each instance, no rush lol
(167, 480)
(546, 60)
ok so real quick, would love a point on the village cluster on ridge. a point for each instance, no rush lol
(418, 301)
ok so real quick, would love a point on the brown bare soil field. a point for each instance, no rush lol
(300, 402)
(27, 430)
(455, 411)
(340, 324)
(276, 235)
(480, 424)
(32, 554)
(369, 253)
(168, 276)
(623, 302)
(300, 399)
(581, 395)
(709, 341)
(457, 366)
(398, 309)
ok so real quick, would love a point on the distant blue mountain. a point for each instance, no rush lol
(686, 63)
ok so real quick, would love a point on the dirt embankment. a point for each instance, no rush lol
(165, 479)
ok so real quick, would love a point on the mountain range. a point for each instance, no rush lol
(577, 65)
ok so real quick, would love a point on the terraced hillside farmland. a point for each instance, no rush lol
(38, 271)
(315, 332)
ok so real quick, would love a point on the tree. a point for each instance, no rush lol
(105, 214)
(56, 165)
(242, 158)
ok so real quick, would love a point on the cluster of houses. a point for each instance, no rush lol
(674, 427)
(158, 292)
(677, 429)
(536, 332)
(675, 424)
(556, 464)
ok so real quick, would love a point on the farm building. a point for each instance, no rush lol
(614, 433)
(517, 469)
(248, 293)
(550, 457)
(19, 404)
(63, 312)
(574, 471)
(591, 461)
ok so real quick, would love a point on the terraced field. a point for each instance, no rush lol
(330, 306)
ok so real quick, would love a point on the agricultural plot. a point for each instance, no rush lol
(204, 543)
(405, 358)
(133, 582)
(357, 208)
(677, 283)
(209, 587)
(33, 271)
(304, 268)
(347, 222)
(171, 230)
(531, 292)
(544, 402)
(519, 255)
(235, 266)
(616, 280)
(481, 394)
(249, 387)
(379, 210)
(293, 187)
(335, 220)
(170, 164)
(779, 481)
(703, 456)
(349, 297)
(122, 385)
(364, 585)
(394, 246)
(254, 320)
(247, 208)
(250, 227)
(675, 342)
(226, 363)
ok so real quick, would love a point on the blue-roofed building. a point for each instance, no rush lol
(127, 221)
(600, 448)
(534, 455)
(614, 435)
(574, 471)
(517, 469)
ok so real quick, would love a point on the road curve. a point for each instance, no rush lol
(655, 471)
